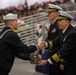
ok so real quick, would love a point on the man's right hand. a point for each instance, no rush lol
(41, 45)
(39, 56)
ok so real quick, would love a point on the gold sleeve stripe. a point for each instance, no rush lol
(56, 58)
(50, 44)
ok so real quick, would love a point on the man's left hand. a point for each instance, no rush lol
(42, 62)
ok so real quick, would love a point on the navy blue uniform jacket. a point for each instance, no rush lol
(10, 47)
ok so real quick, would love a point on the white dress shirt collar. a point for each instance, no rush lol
(53, 22)
(65, 29)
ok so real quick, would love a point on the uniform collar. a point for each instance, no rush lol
(53, 22)
(11, 28)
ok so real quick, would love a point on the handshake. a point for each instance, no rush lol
(42, 45)
(35, 56)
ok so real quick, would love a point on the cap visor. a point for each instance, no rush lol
(60, 18)
(50, 10)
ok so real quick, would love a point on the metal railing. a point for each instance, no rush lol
(27, 30)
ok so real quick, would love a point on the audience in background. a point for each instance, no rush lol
(25, 10)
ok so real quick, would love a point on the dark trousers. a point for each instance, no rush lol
(69, 69)
(54, 70)
(4, 73)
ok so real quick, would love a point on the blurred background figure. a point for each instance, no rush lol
(42, 32)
